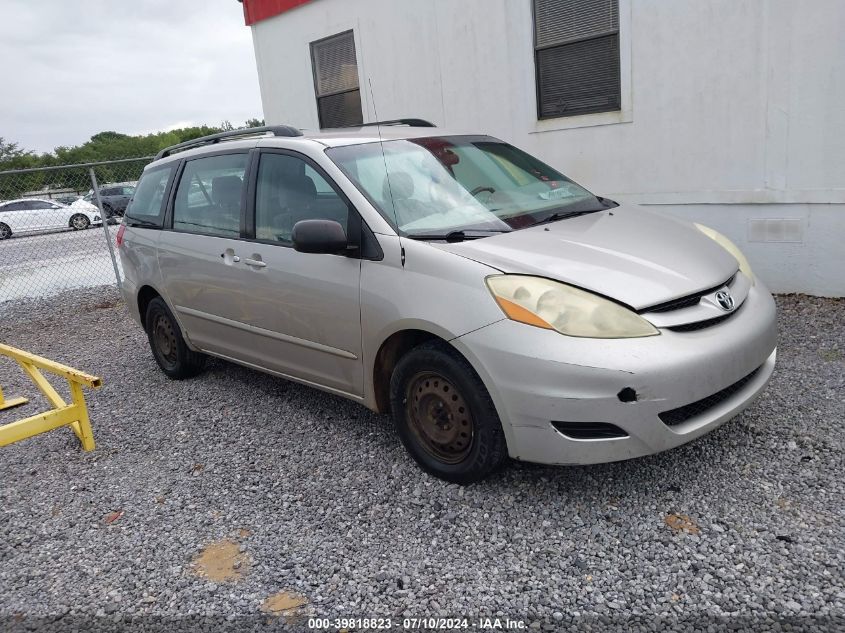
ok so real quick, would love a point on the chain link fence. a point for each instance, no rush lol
(58, 226)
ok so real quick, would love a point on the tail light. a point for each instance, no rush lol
(119, 238)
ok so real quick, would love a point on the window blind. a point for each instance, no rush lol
(577, 57)
(336, 81)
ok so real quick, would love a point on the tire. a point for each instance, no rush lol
(171, 353)
(107, 210)
(444, 415)
(79, 222)
(5, 231)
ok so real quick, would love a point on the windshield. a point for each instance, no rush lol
(459, 183)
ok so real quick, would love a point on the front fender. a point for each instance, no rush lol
(435, 291)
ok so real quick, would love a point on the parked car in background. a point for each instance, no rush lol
(68, 200)
(85, 204)
(492, 305)
(114, 198)
(31, 214)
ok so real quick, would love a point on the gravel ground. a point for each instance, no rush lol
(205, 498)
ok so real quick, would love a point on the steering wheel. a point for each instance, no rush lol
(478, 190)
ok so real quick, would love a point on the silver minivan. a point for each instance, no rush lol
(491, 305)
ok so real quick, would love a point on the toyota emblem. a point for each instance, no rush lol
(725, 300)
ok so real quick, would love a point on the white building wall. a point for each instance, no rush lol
(732, 109)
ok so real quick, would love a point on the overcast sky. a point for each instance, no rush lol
(70, 69)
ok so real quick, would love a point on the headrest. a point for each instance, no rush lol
(400, 184)
(226, 190)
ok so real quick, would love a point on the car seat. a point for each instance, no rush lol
(401, 186)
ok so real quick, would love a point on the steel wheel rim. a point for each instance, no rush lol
(164, 336)
(439, 417)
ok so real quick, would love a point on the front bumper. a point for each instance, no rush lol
(537, 377)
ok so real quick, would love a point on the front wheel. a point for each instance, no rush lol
(174, 357)
(444, 415)
(79, 222)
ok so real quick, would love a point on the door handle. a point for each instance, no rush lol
(257, 263)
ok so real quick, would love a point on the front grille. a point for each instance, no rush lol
(589, 430)
(685, 302)
(677, 304)
(673, 417)
(700, 325)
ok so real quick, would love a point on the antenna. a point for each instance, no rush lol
(386, 171)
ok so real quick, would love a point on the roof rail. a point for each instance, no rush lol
(277, 130)
(410, 122)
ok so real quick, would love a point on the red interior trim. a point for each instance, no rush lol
(257, 10)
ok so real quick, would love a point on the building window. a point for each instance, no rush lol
(336, 81)
(576, 54)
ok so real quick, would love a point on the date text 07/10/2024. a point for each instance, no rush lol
(421, 623)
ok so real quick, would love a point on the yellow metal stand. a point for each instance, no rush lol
(74, 415)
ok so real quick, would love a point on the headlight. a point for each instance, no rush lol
(571, 311)
(729, 246)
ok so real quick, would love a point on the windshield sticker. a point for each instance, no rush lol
(557, 194)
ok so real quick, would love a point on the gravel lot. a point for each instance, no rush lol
(310, 500)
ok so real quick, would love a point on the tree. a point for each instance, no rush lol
(103, 146)
(109, 145)
(10, 150)
(13, 157)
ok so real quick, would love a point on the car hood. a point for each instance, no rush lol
(637, 257)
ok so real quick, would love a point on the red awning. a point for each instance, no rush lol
(257, 10)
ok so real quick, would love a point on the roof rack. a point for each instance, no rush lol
(277, 130)
(409, 122)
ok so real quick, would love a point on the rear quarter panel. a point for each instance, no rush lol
(139, 256)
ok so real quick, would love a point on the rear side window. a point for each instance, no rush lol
(208, 199)
(147, 205)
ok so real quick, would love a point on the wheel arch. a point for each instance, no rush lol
(146, 293)
(399, 342)
(389, 352)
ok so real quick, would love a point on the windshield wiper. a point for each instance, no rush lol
(137, 222)
(457, 236)
(563, 215)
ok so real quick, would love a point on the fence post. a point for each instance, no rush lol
(105, 224)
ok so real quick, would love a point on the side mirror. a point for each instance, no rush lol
(319, 236)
